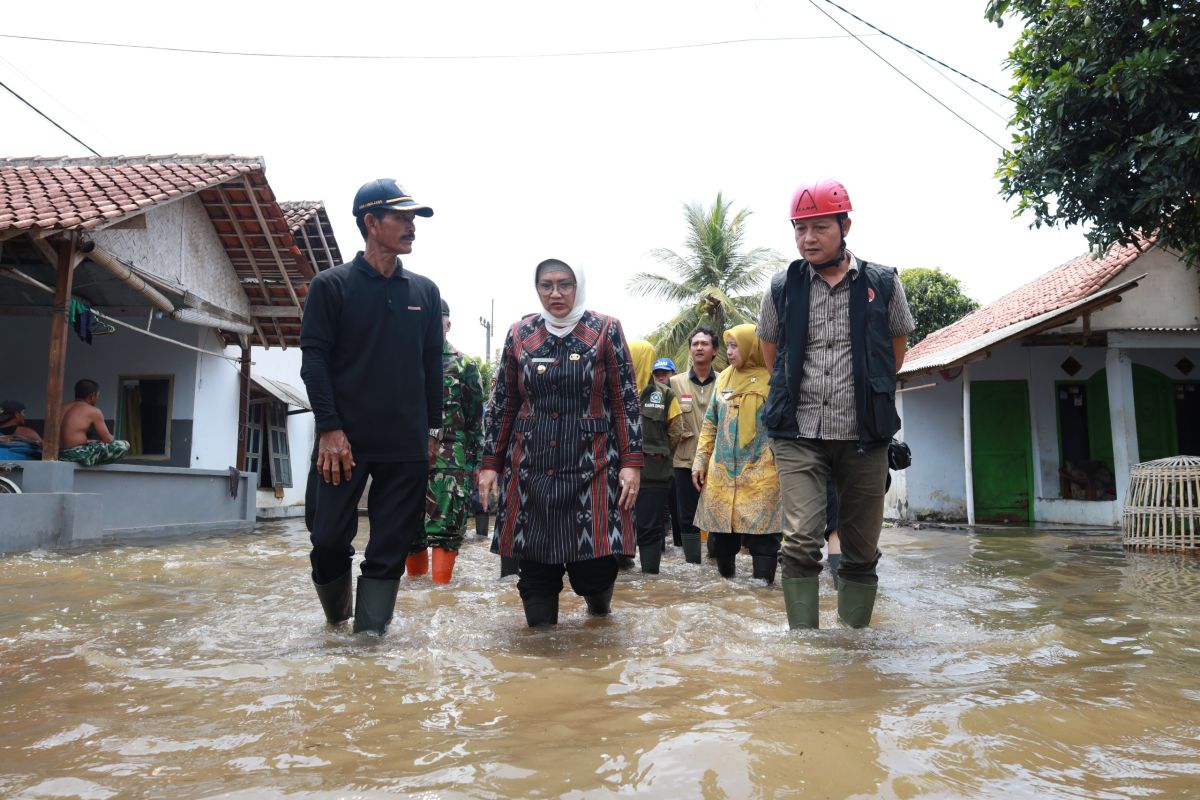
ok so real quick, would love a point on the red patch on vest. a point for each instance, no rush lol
(870, 295)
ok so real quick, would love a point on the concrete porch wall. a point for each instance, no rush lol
(64, 505)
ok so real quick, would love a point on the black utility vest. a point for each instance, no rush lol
(870, 346)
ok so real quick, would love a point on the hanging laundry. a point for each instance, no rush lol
(81, 319)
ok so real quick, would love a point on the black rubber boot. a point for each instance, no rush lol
(374, 605)
(599, 605)
(625, 562)
(764, 568)
(336, 598)
(711, 545)
(691, 548)
(677, 539)
(541, 610)
(835, 561)
(481, 524)
(508, 566)
(651, 557)
(727, 565)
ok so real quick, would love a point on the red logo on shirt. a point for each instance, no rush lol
(870, 294)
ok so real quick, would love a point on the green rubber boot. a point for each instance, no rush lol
(336, 598)
(691, 547)
(374, 604)
(855, 602)
(800, 598)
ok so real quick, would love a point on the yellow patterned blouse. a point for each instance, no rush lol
(741, 490)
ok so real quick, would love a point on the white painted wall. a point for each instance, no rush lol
(284, 365)
(215, 425)
(180, 243)
(1169, 296)
(933, 429)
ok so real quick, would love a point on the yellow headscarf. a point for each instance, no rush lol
(643, 363)
(749, 383)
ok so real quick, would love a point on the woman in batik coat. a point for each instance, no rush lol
(735, 468)
(563, 447)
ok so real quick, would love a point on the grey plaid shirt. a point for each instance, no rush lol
(826, 406)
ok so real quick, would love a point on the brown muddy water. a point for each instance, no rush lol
(1014, 664)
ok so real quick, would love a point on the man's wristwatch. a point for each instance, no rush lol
(435, 433)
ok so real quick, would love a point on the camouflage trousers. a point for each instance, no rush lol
(447, 503)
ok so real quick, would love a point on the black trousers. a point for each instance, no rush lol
(649, 514)
(687, 498)
(673, 505)
(396, 510)
(587, 577)
(759, 544)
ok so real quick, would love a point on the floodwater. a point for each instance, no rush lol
(1013, 664)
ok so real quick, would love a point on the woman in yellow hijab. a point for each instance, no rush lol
(662, 426)
(734, 468)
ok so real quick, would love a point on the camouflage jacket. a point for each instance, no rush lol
(462, 412)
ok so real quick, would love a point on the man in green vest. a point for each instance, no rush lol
(835, 328)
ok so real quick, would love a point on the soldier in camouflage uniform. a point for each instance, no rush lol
(447, 501)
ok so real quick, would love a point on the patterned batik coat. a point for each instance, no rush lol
(741, 485)
(564, 418)
(447, 499)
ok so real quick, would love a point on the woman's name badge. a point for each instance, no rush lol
(574, 357)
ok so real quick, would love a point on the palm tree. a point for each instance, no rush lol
(718, 281)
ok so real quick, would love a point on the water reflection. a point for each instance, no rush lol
(1016, 664)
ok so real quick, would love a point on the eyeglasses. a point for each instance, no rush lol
(547, 288)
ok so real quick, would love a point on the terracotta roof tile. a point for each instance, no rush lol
(85, 192)
(1061, 286)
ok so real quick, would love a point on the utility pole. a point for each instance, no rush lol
(487, 327)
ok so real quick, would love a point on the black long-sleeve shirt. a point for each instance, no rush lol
(372, 360)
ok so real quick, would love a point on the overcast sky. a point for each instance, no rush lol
(587, 158)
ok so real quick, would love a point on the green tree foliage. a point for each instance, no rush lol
(717, 281)
(935, 298)
(1107, 122)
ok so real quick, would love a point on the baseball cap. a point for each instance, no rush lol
(664, 363)
(9, 409)
(445, 308)
(384, 194)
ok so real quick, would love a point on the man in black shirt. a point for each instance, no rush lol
(372, 364)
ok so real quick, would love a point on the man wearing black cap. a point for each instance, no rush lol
(372, 364)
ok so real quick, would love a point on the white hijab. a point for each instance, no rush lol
(561, 326)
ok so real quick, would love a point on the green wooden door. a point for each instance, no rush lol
(1154, 410)
(1001, 451)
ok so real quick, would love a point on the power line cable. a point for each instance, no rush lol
(54, 99)
(368, 57)
(47, 118)
(921, 53)
(902, 74)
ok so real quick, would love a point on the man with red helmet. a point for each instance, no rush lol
(835, 328)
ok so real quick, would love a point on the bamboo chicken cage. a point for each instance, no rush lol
(1162, 509)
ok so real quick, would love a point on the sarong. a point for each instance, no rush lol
(94, 453)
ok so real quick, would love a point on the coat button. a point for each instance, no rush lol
(554, 415)
(550, 472)
(554, 443)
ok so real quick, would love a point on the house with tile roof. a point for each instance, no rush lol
(163, 278)
(1034, 407)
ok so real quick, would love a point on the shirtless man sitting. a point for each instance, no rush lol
(78, 419)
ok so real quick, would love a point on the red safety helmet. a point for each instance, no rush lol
(820, 199)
